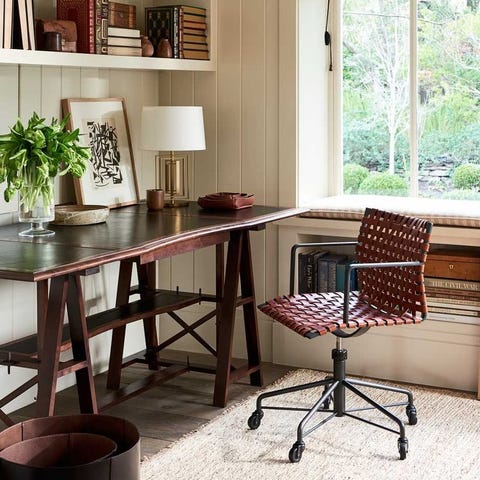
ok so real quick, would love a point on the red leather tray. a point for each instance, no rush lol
(226, 200)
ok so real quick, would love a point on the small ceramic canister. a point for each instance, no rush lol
(155, 199)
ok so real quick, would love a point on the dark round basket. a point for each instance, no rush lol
(76, 447)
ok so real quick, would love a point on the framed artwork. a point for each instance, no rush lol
(110, 178)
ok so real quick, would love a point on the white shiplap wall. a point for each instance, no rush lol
(241, 109)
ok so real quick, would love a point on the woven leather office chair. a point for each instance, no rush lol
(390, 253)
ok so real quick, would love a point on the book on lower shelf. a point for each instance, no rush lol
(195, 54)
(124, 50)
(82, 12)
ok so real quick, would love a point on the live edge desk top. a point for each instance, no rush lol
(132, 236)
(128, 232)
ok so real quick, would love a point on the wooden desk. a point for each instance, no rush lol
(131, 236)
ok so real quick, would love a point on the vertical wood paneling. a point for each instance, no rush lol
(241, 112)
(9, 80)
(253, 98)
(146, 159)
(205, 164)
(229, 95)
(287, 113)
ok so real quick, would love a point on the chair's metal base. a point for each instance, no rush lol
(334, 389)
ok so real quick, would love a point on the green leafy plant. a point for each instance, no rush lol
(30, 156)
(353, 175)
(384, 184)
(467, 177)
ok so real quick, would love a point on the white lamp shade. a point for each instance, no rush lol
(172, 129)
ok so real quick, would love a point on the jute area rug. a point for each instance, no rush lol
(445, 443)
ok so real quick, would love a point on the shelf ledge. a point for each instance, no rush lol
(65, 59)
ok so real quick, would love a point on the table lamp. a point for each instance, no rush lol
(172, 129)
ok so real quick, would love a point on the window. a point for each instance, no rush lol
(411, 97)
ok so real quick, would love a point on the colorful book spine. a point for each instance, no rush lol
(101, 26)
(82, 12)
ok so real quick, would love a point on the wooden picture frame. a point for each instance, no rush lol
(110, 178)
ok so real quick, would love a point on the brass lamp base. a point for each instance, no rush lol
(176, 203)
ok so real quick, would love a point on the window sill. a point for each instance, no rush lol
(458, 213)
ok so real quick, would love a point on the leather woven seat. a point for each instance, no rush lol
(390, 254)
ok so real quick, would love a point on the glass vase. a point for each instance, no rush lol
(36, 206)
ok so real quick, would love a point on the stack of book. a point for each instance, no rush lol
(124, 41)
(95, 18)
(323, 271)
(123, 37)
(184, 26)
(452, 285)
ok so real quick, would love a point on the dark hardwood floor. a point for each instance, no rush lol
(164, 413)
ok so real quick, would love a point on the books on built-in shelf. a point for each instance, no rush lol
(17, 24)
(322, 271)
(122, 15)
(175, 22)
(82, 12)
(123, 32)
(127, 51)
(124, 41)
(452, 285)
(101, 26)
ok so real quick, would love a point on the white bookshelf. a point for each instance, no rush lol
(64, 59)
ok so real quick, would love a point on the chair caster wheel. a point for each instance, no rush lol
(403, 448)
(411, 414)
(327, 402)
(295, 453)
(255, 419)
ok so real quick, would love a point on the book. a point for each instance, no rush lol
(195, 54)
(194, 38)
(188, 17)
(192, 31)
(20, 28)
(471, 302)
(123, 32)
(341, 271)
(101, 26)
(449, 283)
(31, 24)
(82, 12)
(122, 15)
(8, 19)
(124, 42)
(194, 25)
(454, 306)
(446, 317)
(307, 270)
(163, 22)
(2, 15)
(127, 51)
(333, 260)
(195, 46)
(461, 295)
(194, 10)
(455, 311)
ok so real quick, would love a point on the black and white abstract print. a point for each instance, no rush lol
(103, 141)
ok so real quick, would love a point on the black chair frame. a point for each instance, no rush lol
(334, 386)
